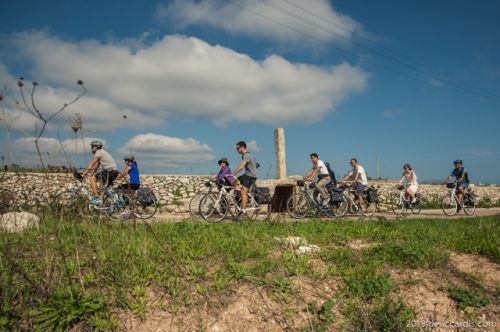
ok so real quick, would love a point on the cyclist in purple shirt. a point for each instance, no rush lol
(225, 172)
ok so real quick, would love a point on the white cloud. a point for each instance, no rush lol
(252, 146)
(181, 76)
(288, 21)
(165, 151)
(53, 152)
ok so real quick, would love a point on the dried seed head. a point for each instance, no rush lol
(80, 82)
(35, 83)
(20, 83)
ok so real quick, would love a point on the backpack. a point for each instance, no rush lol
(146, 196)
(262, 195)
(331, 173)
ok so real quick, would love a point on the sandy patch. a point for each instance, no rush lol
(480, 267)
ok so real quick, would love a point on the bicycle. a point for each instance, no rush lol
(450, 205)
(305, 204)
(215, 206)
(76, 201)
(399, 203)
(194, 203)
(144, 202)
(352, 205)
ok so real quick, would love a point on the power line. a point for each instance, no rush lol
(394, 58)
(384, 47)
(453, 82)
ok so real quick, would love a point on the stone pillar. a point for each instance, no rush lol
(279, 150)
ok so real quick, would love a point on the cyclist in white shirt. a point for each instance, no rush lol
(409, 180)
(319, 168)
(360, 181)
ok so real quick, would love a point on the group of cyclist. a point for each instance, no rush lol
(104, 169)
(360, 181)
(108, 173)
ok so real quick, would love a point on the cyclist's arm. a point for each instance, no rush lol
(449, 178)
(311, 173)
(462, 177)
(356, 176)
(346, 177)
(94, 163)
(239, 168)
(124, 173)
(401, 180)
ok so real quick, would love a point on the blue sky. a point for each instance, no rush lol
(194, 77)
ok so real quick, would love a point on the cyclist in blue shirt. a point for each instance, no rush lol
(462, 177)
(132, 171)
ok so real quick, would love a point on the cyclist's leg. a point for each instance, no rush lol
(321, 187)
(461, 192)
(93, 183)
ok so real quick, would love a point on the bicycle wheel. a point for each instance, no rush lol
(144, 210)
(449, 205)
(212, 208)
(297, 206)
(469, 205)
(256, 211)
(117, 206)
(417, 206)
(70, 204)
(369, 208)
(194, 205)
(339, 209)
(397, 204)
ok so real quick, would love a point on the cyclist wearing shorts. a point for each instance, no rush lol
(319, 168)
(461, 176)
(360, 181)
(409, 180)
(107, 174)
(250, 176)
(132, 171)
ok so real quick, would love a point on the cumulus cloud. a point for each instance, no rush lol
(53, 152)
(165, 151)
(288, 21)
(184, 77)
(98, 113)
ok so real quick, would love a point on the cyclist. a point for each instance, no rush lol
(409, 180)
(462, 177)
(108, 173)
(225, 172)
(319, 168)
(360, 181)
(250, 176)
(132, 171)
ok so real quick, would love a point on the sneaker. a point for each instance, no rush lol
(414, 200)
(95, 200)
(243, 211)
(325, 202)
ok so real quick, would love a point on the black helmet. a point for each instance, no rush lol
(129, 157)
(223, 160)
(96, 143)
(458, 161)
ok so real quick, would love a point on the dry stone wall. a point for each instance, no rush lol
(173, 191)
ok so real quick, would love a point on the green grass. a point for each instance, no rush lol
(68, 273)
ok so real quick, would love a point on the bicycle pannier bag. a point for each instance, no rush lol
(372, 195)
(263, 195)
(336, 195)
(146, 196)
